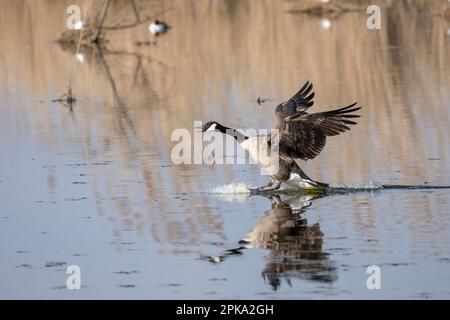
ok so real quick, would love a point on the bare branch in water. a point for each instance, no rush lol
(101, 20)
(135, 24)
(135, 10)
(96, 34)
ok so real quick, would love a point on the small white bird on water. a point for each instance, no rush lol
(325, 24)
(79, 25)
(80, 57)
(158, 27)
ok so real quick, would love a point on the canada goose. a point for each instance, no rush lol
(158, 27)
(300, 136)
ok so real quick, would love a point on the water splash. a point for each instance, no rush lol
(232, 188)
(239, 191)
(233, 192)
(370, 185)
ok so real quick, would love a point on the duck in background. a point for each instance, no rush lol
(158, 27)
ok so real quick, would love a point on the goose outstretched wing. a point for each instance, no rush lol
(303, 135)
(296, 105)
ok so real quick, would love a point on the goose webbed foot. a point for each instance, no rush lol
(272, 186)
(255, 191)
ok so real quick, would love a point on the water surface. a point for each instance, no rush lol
(94, 185)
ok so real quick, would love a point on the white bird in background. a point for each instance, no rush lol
(325, 24)
(158, 27)
(79, 25)
(80, 57)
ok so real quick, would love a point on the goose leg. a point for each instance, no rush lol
(259, 190)
(271, 186)
(275, 185)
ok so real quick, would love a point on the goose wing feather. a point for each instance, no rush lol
(296, 105)
(303, 135)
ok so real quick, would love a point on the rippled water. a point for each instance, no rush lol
(94, 186)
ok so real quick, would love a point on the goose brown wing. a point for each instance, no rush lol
(303, 136)
(296, 105)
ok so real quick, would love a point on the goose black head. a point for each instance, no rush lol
(213, 126)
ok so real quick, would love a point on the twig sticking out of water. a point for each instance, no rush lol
(72, 74)
(135, 11)
(101, 20)
(68, 98)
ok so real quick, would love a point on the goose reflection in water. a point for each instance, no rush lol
(294, 246)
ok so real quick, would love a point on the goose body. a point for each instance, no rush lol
(259, 150)
(300, 136)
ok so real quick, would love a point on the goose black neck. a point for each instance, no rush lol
(239, 137)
